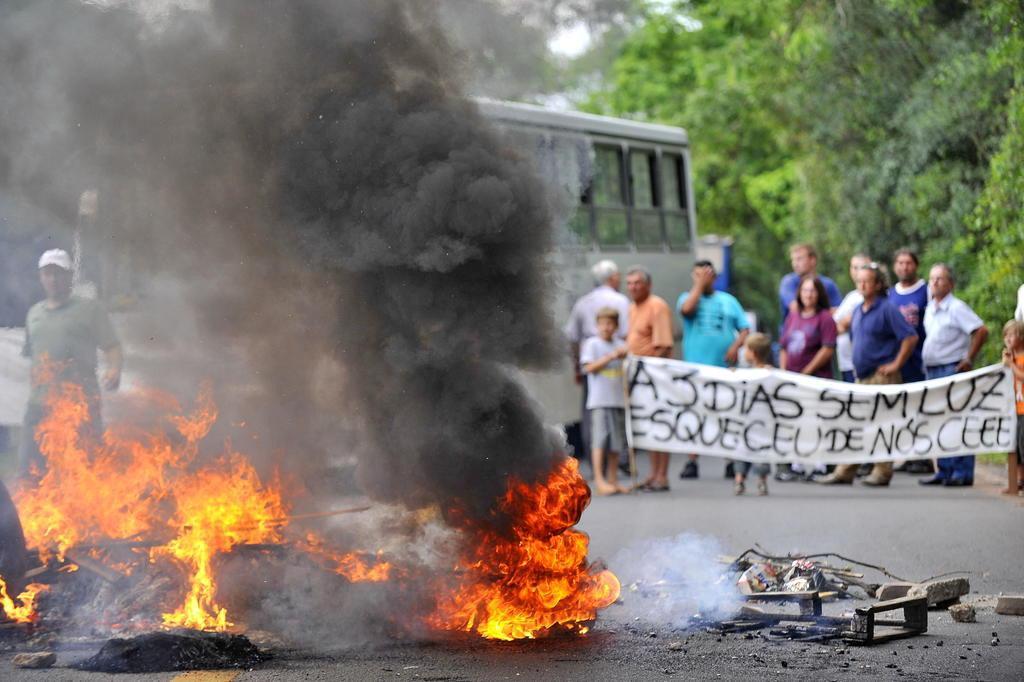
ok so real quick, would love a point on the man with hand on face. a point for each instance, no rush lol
(62, 334)
(882, 344)
(715, 328)
(650, 334)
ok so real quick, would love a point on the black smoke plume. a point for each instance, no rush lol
(308, 178)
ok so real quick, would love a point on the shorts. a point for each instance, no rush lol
(1020, 439)
(743, 468)
(608, 428)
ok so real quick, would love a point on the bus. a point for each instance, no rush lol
(623, 192)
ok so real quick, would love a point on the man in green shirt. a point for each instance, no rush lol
(62, 334)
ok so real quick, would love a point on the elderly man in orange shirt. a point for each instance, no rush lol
(650, 334)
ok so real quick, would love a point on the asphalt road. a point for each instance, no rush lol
(914, 532)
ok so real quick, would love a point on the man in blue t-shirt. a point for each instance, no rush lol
(910, 297)
(714, 328)
(804, 259)
(714, 323)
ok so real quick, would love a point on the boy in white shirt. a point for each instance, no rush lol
(601, 360)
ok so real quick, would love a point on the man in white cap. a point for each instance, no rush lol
(62, 334)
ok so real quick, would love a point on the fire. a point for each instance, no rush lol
(25, 612)
(355, 569)
(95, 489)
(218, 510)
(534, 579)
(147, 486)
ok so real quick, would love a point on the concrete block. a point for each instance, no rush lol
(1010, 605)
(941, 591)
(36, 659)
(963, 613)
(889, 591)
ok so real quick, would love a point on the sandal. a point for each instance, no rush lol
(762, 488)
(739, 489)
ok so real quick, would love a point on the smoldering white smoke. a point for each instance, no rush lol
(668, 581)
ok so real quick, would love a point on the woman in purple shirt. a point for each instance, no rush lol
(809, 338)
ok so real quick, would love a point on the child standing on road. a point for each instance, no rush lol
(1013, 357)
(601, 360)
(757, 351)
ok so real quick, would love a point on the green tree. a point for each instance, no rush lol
(713, 68)
(864, 125)
(993, 247)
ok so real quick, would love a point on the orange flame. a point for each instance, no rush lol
(535, 579)
(218, 510)
(355, 569)
(146, 486)
(25, 612)
(94, 489)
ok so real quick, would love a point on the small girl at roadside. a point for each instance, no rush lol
(757, 352)
(1013, 357)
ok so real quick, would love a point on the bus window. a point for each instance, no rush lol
(672, 189)
(607, 185)
(677, 225)
(612, 229)
(569, 158)
(640, 167)
(646, 219)
(607, 195)
(678, 231)
(579, 225)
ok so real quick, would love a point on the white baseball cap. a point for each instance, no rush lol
(58, 257)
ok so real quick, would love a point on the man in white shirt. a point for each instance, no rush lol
(582, 320)
(582, 325)
(954, 337)
(844, 315)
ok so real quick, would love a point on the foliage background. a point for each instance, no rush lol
(854, 124)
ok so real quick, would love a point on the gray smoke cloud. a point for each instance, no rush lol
(669, 581)
(312, 214)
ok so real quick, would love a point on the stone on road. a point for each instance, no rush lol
(944, 591)
(35, 659)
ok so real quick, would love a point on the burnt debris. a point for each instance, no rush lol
(173, 651)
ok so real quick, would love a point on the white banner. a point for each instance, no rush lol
(767, 415)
